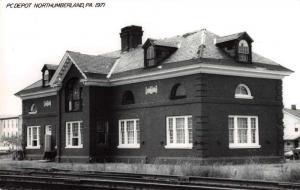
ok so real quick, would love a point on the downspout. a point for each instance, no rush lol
(58, 131)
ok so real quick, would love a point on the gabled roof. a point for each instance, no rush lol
(50, 67)
(295, 113)
(92, 63)
(233, 37)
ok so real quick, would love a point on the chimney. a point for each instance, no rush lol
(131, 37)
(294, 107)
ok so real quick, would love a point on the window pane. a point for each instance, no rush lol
(180, 130)
(253, 130)
(130, 132)
(171, 129)
(34, 133)
(75, 141)
(68, 134)
(75, 130)
(190, 129)
(29, 136)
(138, 132)
(150, 52)
(231, 129)
(122, 133)
(242, 130)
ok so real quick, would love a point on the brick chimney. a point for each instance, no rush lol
(293, 107)
(131, 37)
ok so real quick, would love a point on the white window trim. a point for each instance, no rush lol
(243, 96)
(174, 145)
(31, 108)
(237, 145)
(29, 146)
(80, 145)
(135, 145)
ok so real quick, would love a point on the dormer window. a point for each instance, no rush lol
(243, 51)
(237, 46)
(156, 51)
(46, 78)
(150, 57)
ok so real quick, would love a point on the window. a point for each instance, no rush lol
(128, 98)
(150, 56)
(243, 132)
(74, 134)
(296, 129)
(242, 91)
(243, 51)
(129, 133)
(46, 77)
(102, 132)
(33, 109)
(33, 137)
(73, 95)
(178, 91)
(179, 132)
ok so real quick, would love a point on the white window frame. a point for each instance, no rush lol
(80, 145)
(30, 137)
(175, 145)
(249, 144)
(243, 96)
(135, 144)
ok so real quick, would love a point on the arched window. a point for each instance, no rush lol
(33, 109)
(150, 56)
(73, 95)
(242, 91)
(243, 51)
(178, 91)
(128, 98)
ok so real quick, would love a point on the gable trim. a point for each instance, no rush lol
(60, 67)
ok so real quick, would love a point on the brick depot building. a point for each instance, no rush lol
(197, 97)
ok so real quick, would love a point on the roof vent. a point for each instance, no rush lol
(294, 107)
(131, 37)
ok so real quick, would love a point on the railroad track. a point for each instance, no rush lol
(65, 179)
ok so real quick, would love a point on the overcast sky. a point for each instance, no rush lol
(30, 38)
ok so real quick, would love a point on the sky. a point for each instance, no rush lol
(32, 37)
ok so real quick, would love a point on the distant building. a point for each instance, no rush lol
(10, 126)
(291, 120)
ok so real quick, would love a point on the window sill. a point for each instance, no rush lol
(243, 97)
(179, 146)
(33, 147)
(129, 146)
(74, 147)
(31, 113)
(236, 146)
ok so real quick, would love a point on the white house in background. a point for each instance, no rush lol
(10, 126)
(291, 120)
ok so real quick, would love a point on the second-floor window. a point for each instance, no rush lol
(73, 95)
(46, 78)
(243, 51)
(243, 92)
(150, 56)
